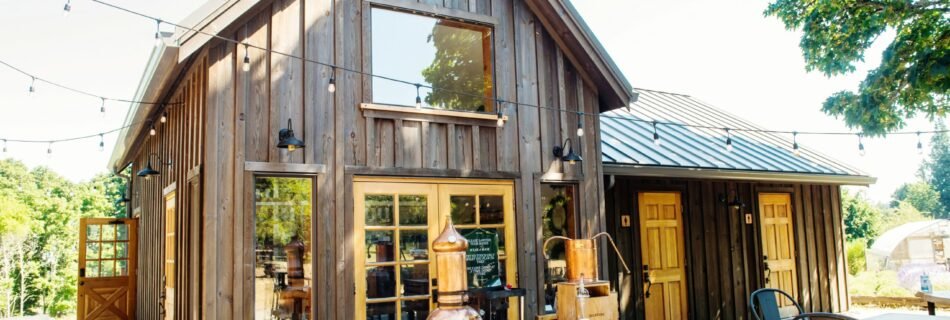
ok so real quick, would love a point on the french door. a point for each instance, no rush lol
(396, 219)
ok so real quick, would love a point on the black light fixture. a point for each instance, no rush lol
(286, 139)
(736, 203)
(570, 157)
(148, 171)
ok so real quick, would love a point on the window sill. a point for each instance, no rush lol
(372, 110)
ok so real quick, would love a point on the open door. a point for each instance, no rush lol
(107, 258)
(664, 268)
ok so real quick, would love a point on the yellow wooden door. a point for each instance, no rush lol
(661, 240)
(778, 246)
(107, 258)
(168, 305)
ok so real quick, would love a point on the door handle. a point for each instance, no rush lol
(768, 271)
(648, 280)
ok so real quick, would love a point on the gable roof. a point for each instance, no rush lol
(627, 145)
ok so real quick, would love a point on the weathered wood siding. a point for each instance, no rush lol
(179, 140)
(723, 254)
(245, 111)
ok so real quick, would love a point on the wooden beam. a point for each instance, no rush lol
(437, 11)
(278, 167)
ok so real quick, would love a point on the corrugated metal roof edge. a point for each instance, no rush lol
(724, 174)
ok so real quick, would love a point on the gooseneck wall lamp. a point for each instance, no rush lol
(570, 156)
(148, 171)
(287, 140)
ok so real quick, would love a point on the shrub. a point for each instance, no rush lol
(856, 256)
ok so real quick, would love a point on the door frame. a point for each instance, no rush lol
(170, 191)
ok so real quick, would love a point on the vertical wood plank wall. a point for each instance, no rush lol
(242, 112)
(180, 141)
(723, 254)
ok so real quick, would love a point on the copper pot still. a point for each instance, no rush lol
(581, 256)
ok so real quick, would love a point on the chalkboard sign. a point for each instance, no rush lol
(481, 259)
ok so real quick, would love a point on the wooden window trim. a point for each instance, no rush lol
(385, 111)
(266, 168)
(438, 12)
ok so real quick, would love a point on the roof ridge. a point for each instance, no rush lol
(664, 92)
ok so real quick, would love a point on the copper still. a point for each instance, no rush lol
(452, 277)
(581, 256)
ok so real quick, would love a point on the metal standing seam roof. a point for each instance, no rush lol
(629, 143)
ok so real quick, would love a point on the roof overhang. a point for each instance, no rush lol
(162, 67)
(705, 173)
(568, 29)
(211, 18)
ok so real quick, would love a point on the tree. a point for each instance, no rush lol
(914, 74)
(920, 195)
(937, 169)
(457, 72)
(861, 219)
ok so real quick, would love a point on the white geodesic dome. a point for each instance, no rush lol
(919, 242)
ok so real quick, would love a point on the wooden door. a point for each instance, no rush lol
(168, 303)
(661, 240)
(107, 258)
(778, 245)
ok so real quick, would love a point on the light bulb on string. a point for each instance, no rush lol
(331, 84)
(32, 85)
(102, 143)
(795, 144)
(151, 131)
(728, 140)
(4, 145)
(920, 145)
(67, 8)
(580, 125)
(247, 59)
(656, 136)
(500, 114)
(861, 145)
(158, 32)
(49, 149)
(418, 97)
(102, 107)
(164, 117)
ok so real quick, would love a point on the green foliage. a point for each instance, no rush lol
(937, 169)
(922, 196)
(881, 283)
(903, 213)
(39, 219)
(856, 256)
(913, 76)
(861, 219)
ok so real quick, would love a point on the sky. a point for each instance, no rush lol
(722, 52)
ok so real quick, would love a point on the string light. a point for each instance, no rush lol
(247, 59)
(580, 125)
(102, 107)
(795, 144)
(331, 84)
(418, 97)
(158, 32)
(151, 131)
(920, 145)
(102, 143)
(4, 145)
(67, 8)
(49, 150)
(861, 145)
(656, 136)
(728, 140)
(164, 117)
(34, 78)
(32, 85)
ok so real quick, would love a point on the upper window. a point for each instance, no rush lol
(452, 57)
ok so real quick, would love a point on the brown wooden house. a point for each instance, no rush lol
(236, 220)
(706, 225)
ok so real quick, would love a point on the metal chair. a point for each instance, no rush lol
(764, 305)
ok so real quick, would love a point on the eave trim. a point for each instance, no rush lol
(706, 173)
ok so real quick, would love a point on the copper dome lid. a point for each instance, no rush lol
(450, 240)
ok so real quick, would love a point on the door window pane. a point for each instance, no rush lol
(463, 209)
(413, 245)
(557, 219)
(491, 210)
(453, 56)
(380, 282)
(282, 229)
(379, 210)
(413, 210)
(379, 246)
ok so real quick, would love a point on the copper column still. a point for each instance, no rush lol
(581, 256)
(452, 277)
